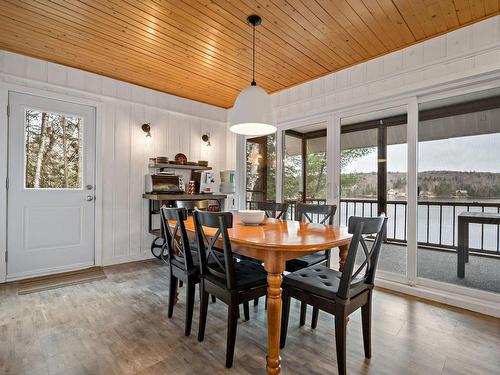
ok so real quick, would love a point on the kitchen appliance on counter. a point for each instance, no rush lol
(163, 183)
(227, 181)
(205, 181)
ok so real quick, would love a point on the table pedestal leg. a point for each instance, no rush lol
(344, 250)
(273, 322)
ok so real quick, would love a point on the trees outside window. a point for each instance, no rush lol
(53, 144)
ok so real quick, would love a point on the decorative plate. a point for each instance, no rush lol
(180, 158)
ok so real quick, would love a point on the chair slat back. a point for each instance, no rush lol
(210, 263)
(361, 227)
(176, 238)
(325, 213)
(273, 209)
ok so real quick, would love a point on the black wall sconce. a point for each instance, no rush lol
(206, 138)
(146, 128)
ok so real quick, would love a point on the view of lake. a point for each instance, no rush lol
(436, 224)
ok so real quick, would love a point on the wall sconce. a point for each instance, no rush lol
(206, 138)
(146, 128)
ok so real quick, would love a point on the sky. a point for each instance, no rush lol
(480, 153)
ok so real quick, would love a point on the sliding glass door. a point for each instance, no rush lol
(420, 164)
(459, 172)
(373, 177)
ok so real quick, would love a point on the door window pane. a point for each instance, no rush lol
(53, 150)
(316, 170)
(292, 168)
(261, 169)
(358, 165)
(305, 165)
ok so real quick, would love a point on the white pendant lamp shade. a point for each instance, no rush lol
(252, 113)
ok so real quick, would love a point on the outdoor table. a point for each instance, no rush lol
(464, 219)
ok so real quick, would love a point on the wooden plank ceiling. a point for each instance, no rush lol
(201, 49)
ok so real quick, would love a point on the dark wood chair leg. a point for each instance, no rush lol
(232, 324)
(314, 321)
(246, 311)
(285, 313)
(213, 299)
(340, 341)
(203, 313)
(191, 289)
(256, 302)
(366, 321)
(172, 291)
(303, 311)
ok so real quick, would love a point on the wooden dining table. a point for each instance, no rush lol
(274, 242)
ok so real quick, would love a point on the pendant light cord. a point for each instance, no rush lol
(253, 59)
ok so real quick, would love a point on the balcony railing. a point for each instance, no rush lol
(437, 221)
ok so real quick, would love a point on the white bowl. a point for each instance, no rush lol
(251, 217)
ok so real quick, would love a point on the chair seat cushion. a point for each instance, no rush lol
(306, 261)
(322, 281)
(248, 273)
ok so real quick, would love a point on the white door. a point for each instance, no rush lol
(50, 186)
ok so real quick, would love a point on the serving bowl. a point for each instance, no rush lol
(251, 217)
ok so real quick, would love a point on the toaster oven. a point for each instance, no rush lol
(163, 184)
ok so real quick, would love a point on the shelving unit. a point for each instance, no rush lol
(181, 166)
(156, 200)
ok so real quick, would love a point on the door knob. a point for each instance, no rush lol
(90, 198)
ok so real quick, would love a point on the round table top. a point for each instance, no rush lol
(285, 235)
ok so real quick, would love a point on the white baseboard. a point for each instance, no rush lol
(126, 259)
(445, 297)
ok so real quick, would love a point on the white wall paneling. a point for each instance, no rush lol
(177, 125)
(3, 176)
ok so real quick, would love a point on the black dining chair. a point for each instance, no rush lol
(182, 258)
(272, 209)
(183, 262)
(322, 214)
(231, 280)
(340, 293)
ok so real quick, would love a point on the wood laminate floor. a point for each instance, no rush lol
(119, 326)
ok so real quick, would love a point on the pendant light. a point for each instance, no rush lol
(252, 113)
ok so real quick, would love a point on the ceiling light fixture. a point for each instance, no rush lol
(252, 113)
